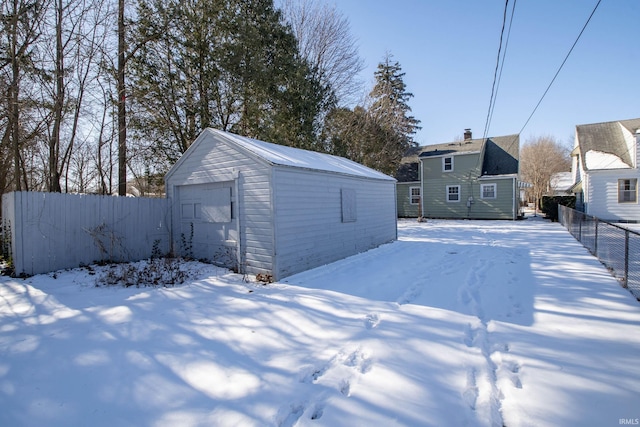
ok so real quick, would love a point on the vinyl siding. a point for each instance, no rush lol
(502, 207)
(601, 195)
(213, 160)
(308, 218)
(435, 182)
(404, 206)
(465, 174)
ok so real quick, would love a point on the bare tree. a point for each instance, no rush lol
(77, 32)
(540, 159)
(21, 28)
(122, 120)
(326, 42)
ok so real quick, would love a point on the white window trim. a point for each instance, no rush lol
(634, 191)
(411, 195)
(495, 191)
(443, 164)
(447, 194)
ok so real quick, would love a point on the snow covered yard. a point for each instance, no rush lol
(479, 323)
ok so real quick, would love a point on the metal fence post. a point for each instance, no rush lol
(580, 228)
(626, 257)
(595, 244)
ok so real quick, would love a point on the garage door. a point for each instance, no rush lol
(207, 223)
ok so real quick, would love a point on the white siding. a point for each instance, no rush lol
(630, 140)
(290, 218)
(309, 223)
(601, 195)
(214, 160)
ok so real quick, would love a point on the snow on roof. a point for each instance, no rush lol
(600, 160)
(561, 181)
(296, 157)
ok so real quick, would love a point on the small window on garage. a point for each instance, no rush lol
(187, 211)
(348, 202)
(216, 205)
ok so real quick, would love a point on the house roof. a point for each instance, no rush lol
(561, 182)
(501, 155)
(298, 158)
(603, 145)
(452, 148)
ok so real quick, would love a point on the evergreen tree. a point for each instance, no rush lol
(357, 135)
(377, 136)
(229, 64)
(390, 101)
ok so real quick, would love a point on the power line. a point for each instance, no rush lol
(495, 73)
(504, 54)
(556, 75)
(561, 66)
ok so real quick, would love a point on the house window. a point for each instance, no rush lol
(453, 193)
(414, 195)
(627, 190)
(447, 164)
(488, 191)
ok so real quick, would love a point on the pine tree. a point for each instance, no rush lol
(390, 101)
(377, 136)
(228, 64)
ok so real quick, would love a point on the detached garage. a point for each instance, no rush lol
(262, 208)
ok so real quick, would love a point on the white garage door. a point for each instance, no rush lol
(208, 224)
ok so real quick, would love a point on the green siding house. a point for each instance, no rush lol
(468, 179)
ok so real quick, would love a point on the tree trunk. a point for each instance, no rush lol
(122, 122)
(54, 143)
(14, 88)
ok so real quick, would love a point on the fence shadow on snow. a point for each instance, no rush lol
(618, 248)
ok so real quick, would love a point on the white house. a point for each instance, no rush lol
(561, 183)
(605, 169)
(262, 208)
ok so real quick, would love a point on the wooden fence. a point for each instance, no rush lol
(51, 231)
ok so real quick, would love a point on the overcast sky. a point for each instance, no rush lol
(448, 50)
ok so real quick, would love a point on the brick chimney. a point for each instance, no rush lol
(467, 134)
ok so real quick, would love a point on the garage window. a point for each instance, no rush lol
(216, 205)
(348, 202)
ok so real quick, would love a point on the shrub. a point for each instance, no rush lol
(549, 205)
(154, 272)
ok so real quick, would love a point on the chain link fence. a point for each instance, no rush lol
(618, 248)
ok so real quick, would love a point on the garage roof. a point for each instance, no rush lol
(296, 157)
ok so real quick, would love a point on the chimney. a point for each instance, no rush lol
(467, 134)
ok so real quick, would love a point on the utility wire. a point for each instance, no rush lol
(504, 54)
(517, 136)
(561, 65)
(495, 73)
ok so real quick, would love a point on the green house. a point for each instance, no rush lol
(468, 179)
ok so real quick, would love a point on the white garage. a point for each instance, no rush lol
(258, 207)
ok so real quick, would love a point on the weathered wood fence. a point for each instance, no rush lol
(52, 231)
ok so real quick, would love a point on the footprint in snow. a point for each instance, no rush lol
(371, 321)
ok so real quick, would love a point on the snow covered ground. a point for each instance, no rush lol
(478, 323)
